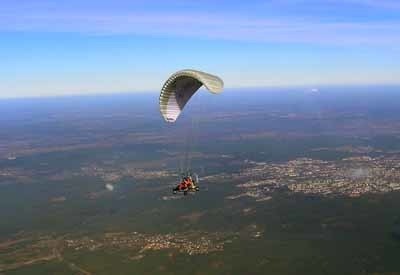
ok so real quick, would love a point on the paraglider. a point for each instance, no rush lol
(181, 86)
(175, 93)
(188, 183)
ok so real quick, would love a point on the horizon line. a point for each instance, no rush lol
(235, 89)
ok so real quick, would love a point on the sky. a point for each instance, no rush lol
(52, 48)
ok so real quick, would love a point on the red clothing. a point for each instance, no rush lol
(185, 184)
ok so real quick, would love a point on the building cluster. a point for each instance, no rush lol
(31, 249)
(189, 243)
(346, 177)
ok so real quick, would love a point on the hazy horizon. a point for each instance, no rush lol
(267, 89)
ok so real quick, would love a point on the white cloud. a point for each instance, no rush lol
(219, 26)
(109, 187)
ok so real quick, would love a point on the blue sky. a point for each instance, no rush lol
(50, 48)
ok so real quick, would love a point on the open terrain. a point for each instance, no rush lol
(291, 182)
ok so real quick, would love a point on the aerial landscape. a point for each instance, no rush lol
(283, 189)
(199, 137)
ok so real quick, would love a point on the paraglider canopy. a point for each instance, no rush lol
(180, 87)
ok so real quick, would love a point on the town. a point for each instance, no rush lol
(190, 243)
(349, 177)
(30, 249)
